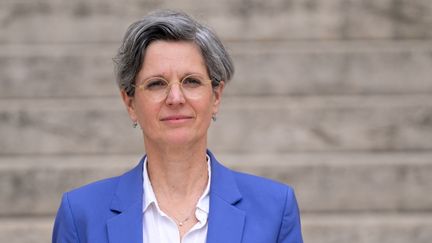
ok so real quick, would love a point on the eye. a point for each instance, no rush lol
(155, 84)
(192, 82)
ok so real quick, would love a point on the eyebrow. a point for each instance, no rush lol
(163, 77)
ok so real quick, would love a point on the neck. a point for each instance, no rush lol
(177, 173)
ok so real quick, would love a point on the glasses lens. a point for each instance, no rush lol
(194, 86)
(155, 88)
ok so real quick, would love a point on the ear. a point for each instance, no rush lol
(130, 105)
(217, 94)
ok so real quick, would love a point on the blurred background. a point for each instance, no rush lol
(333, 97)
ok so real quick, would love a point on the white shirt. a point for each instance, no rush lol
(158, 227)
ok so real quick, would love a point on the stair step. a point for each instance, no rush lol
(262, 69)
(373, 228)
(105, 21)
(277, 124)
(391, 182)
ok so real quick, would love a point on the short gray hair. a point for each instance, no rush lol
(175, 26)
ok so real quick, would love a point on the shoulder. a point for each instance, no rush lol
(94, 191)
(83, 211)
(270, 204)
(103, 191)
(251, 188)
(90, 202)
(262, 188)
(81, 208)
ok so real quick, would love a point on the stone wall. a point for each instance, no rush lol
(331, 96)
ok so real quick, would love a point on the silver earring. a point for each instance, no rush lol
(134, 124)
(214, 117)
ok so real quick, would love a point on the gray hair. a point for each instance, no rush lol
(175, 26)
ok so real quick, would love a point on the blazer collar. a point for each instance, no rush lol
(226, 221)
(127, 202)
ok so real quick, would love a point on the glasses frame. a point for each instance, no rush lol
(143, 84)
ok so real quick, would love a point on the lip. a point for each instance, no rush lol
(175, 118)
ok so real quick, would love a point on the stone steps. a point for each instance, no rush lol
(324, 182)
(245, 124)
(331, 97)
(317, 228)
(262, 69)
(370, 228)
(105, 21)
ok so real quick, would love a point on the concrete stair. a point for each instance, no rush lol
(324, 182)
(272, 68)
(316, 228)
(368, 198)
(331, 97)
(103, 20)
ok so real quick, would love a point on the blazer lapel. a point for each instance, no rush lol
(127, 202)
(226, 221)
(127, 226)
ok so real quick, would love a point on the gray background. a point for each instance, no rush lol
(330, 96)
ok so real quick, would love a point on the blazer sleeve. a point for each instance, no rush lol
(290, 231)
(64, 226)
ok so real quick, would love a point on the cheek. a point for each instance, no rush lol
(147, 113)
(205, 105)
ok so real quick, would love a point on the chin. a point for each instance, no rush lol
(178, 138)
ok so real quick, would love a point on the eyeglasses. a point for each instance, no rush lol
(157, 88)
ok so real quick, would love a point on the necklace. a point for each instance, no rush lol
(180, 223)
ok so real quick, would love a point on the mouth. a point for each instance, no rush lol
(176, 118)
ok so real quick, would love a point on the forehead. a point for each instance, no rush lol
(173, 58)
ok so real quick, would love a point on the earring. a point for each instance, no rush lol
(134, 124)
(214, 117)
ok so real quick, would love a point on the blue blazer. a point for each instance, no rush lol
(243, 208)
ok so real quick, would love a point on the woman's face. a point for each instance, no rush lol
(178, 119)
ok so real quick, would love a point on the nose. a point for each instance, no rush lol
(175, 95)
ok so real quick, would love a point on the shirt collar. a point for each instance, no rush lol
(150, 197)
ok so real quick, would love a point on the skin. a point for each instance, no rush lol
(175, 129)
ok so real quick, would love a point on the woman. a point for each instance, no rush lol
(171, 72)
